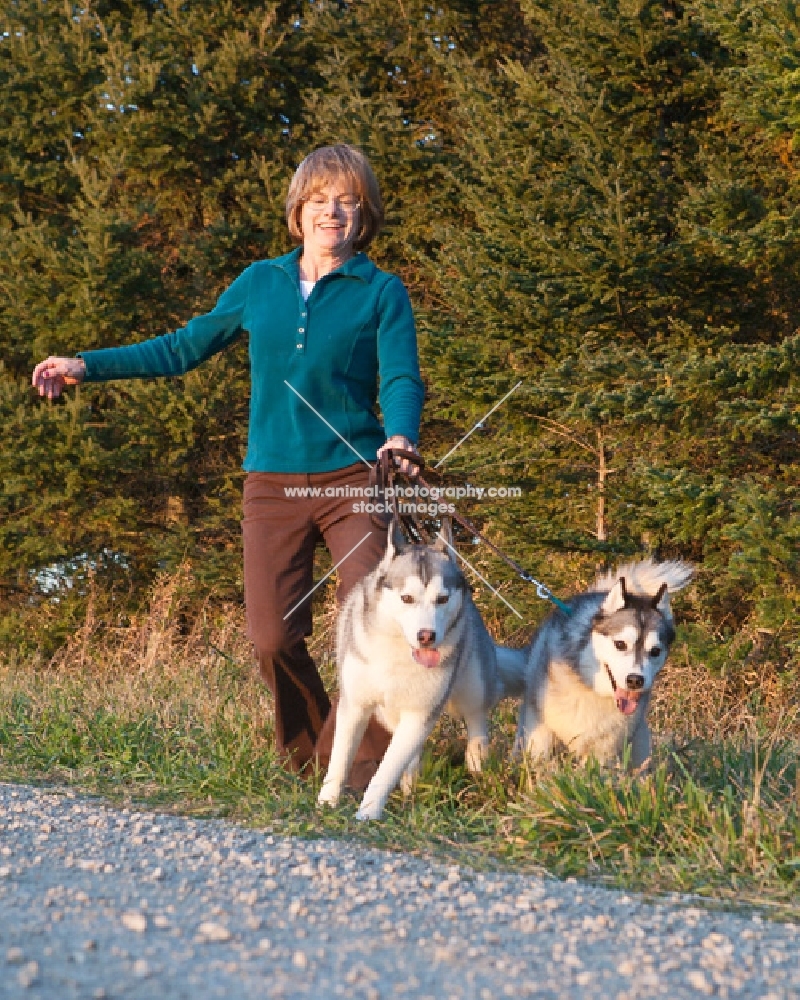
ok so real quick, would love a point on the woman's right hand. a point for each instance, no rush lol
(50, 376)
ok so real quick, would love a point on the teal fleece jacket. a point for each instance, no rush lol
(355, 330)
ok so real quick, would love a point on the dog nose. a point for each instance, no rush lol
(634, 682)
(426, 637)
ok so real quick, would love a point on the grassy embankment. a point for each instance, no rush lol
(178, 721)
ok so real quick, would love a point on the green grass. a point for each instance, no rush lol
(164, 719)
(717, 819)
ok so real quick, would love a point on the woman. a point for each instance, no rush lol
(326, 328)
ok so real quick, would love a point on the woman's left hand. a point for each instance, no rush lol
(403, 444)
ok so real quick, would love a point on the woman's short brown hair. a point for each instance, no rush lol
(325, 166)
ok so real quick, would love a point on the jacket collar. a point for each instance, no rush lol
(359, 266)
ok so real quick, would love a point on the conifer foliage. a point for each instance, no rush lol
(597, 200)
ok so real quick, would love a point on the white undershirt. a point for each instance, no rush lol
(305, 288)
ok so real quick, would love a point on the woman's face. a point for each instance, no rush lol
(330, 219)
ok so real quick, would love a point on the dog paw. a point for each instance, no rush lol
(539, 746)
(329, 795)
(371, 811)
(476, 754)
(409, 778)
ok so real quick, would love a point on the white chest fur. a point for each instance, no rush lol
(587, 723)
(392, 683)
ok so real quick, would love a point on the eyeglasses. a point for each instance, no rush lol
(348, 203)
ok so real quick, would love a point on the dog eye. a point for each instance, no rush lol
(406, 598)
(655, 651)
(620, 645)
(442, 598)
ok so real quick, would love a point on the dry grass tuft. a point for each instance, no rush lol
(690, 702)
(165, 666)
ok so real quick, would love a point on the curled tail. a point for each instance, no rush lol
(646, 577)
(512, 668)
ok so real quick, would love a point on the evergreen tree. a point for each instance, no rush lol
(590, 273)
(137, 181)
(595, 200)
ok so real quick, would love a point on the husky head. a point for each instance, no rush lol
(630, 639)
(421, 589)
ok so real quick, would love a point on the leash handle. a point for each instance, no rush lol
(382, 475)
(391, 453)
(383, 472)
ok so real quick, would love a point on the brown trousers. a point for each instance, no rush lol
(280, 533)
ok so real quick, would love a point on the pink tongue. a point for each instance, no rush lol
(626, 702)
(427, 657)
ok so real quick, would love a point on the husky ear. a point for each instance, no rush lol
(661, 600)
(396, 542)
(444, 538)
(615, 599)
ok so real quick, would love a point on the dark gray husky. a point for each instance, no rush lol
(591, 672)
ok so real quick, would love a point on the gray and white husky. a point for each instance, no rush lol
(591, 672)
(410, 641)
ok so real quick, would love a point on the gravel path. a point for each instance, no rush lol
(97, 902)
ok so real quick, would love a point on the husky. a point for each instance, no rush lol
(409, 642)
(590, 672)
